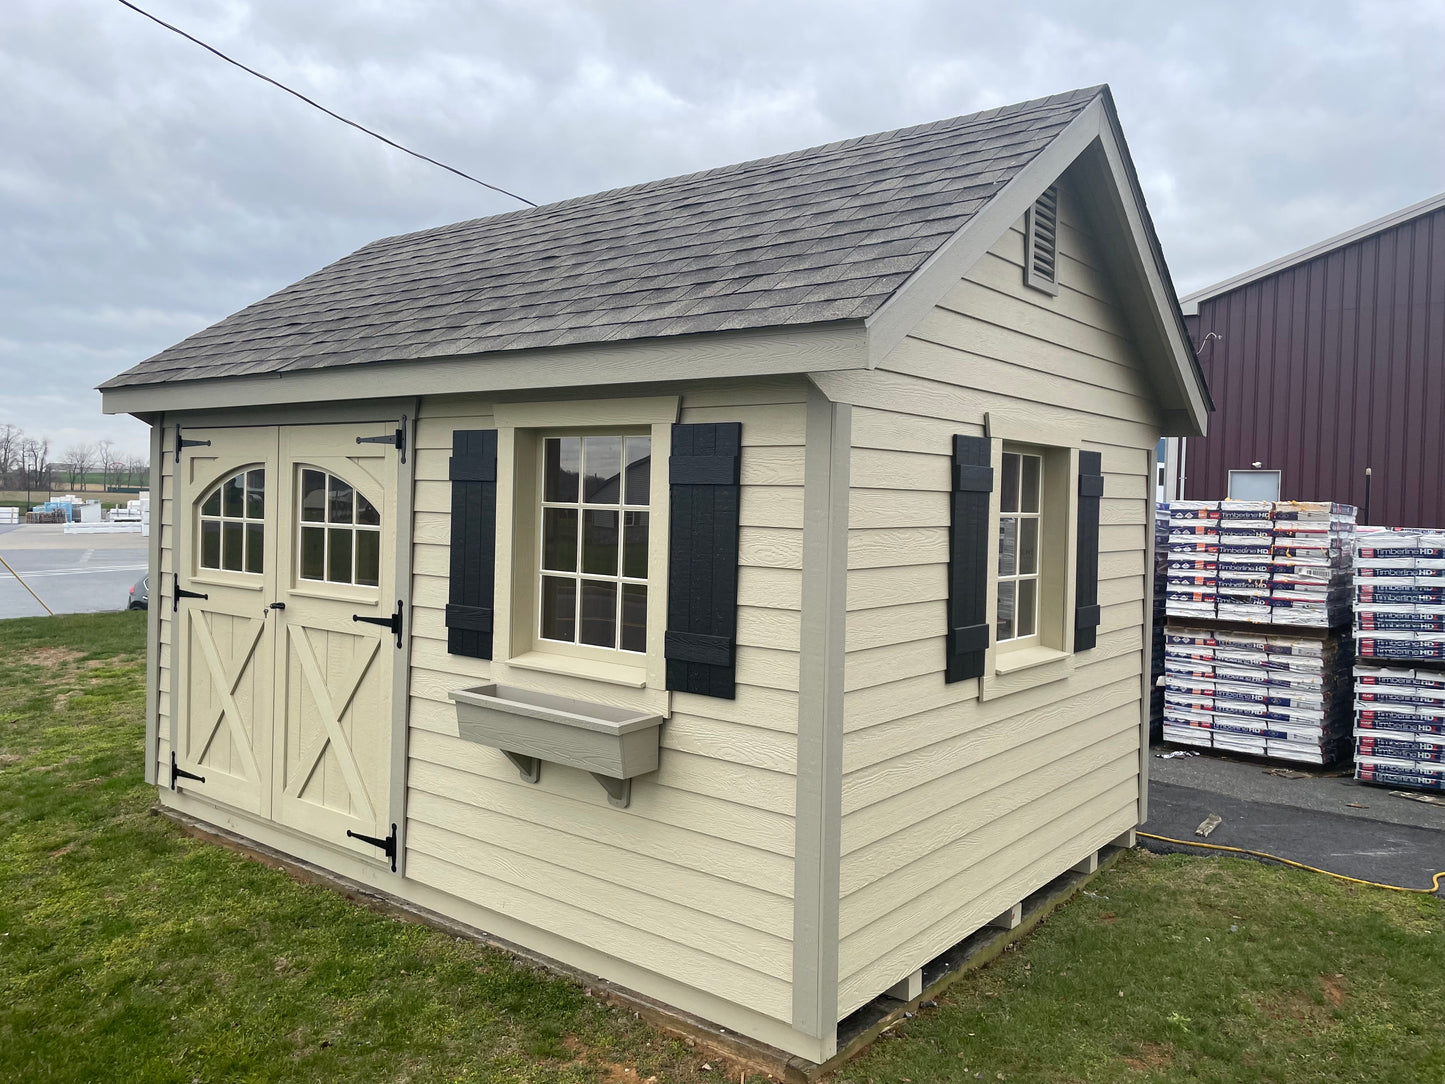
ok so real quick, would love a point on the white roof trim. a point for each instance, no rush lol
(1190, 302)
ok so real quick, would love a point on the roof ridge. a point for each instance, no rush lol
(911, 131)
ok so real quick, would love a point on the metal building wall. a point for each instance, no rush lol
(1332, 366)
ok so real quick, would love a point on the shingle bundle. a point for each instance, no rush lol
(1276, 695)
(1400, 727)
(1400, 595)
(1262, 562)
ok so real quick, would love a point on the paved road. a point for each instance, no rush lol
(1324, 819)
(73, 573)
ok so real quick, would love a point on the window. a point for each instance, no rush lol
(340, 531)
(593, 540)
(232, 524)
(1020, 529)
(1041, 246)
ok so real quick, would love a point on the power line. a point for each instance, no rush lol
(317, 105)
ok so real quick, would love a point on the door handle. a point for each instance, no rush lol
(277, 606)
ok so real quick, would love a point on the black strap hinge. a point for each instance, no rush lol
(393, 622)
(182, 443)
(397, 439)
(177, 772)
(388, 845)
(181, 593)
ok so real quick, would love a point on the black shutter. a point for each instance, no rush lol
(702, 562)
(968, 576)
(1086, 580)
(473, 474)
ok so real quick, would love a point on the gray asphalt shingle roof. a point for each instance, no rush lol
(818, 235)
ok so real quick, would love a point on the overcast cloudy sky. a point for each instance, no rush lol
(147, 189)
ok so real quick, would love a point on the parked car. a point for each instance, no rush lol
(140, 594)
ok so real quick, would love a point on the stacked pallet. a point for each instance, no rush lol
(1400, 615)
(1400, 595)
(1283, 695)
(1156, 655)
(1260, 562)
(1400, 727)
(9, 515)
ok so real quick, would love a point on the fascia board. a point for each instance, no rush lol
(940, 273)
(770, 352)
(1167, 331)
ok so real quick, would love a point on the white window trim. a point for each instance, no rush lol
(515, 643)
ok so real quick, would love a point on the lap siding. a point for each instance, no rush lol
(694, 880)
(955, 808)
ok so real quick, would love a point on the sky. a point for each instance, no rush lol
(147, 189)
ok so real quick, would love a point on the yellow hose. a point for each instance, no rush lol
(1434, 887)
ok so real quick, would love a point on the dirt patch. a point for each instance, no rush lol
(1108, 918)
(1152, 1057)
(1333, 987)
(6, 759)
(49, 656)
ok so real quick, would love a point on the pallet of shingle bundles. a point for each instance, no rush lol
(1246, 538)
(1191, 566)
(1282, 696)
(1312, 563)
(1400, 727)
(1188, 685)
(1400, 595)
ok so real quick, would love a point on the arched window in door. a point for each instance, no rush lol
(340, 532)
(232, 524)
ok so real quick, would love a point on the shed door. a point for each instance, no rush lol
(224, 641)
(336, 570)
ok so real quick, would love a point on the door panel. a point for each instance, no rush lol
(333, 744)
(226, 659)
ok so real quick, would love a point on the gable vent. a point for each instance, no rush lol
(1041, 270)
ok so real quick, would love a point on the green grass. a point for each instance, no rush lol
(129, 951)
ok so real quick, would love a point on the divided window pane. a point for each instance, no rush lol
(593, 544)
(232, 524)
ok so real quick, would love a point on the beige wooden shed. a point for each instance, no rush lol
(733, 586)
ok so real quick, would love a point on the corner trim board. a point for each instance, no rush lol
(819, 809)
(153, 612)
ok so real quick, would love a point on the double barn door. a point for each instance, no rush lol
(288, 625)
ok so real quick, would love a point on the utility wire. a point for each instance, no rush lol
(317, 105)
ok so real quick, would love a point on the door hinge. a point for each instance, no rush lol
(182, 443)
(387, 845)
(392, 623)
(181, 593)
(396, 440)
(177, 772)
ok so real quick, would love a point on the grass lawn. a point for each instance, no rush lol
(129, 952)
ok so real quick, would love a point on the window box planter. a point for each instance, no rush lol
(614, 744)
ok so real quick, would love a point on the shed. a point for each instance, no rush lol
(1328, 363)
(734, 586)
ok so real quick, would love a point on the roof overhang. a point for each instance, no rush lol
(715, 355)
(1190, 302)
(1093, 143)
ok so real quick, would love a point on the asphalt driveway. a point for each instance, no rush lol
(72, 573)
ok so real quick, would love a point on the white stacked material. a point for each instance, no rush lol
(1313, 551)
(1246, 538)
(1400, 595)
(1192, 565)
(9, 515)
(1269, 695)
(1400, 727)
(1261, 562)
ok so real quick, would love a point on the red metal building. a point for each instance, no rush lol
(1327, 363)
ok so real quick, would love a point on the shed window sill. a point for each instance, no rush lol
(1010, 662)
(1026, 668)
(633, 677)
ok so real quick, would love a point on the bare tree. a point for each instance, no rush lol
(107, 460)
(137, 469)
(11, 437)
(76, 462)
